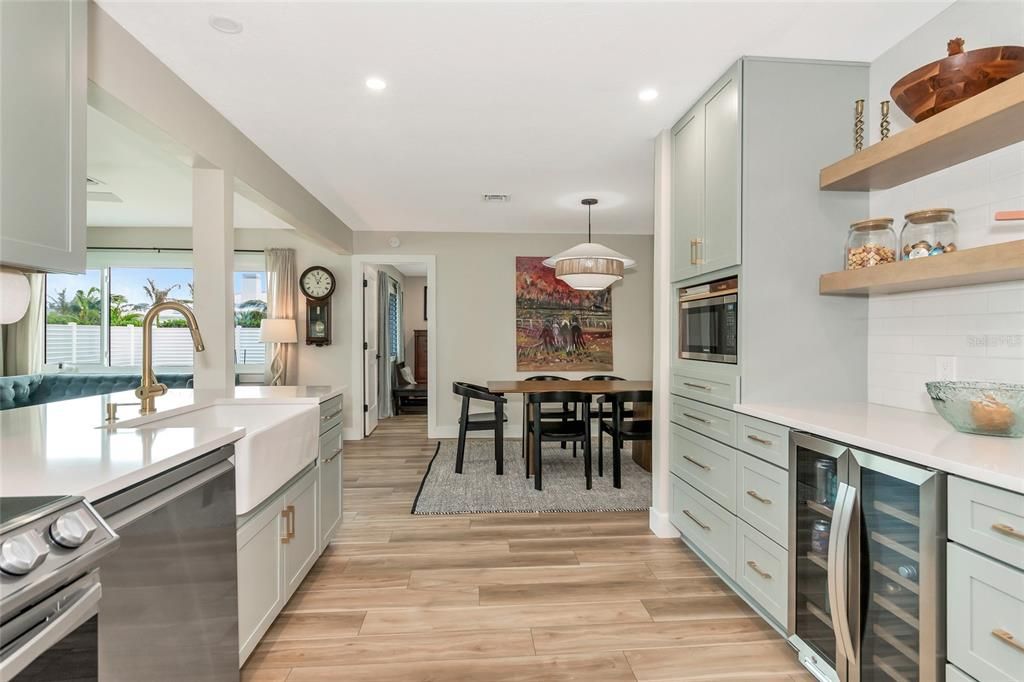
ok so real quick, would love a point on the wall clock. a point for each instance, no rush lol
(317, 284)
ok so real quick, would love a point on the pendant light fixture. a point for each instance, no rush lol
(589, 266)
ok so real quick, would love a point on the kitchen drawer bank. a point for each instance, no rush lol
(281, 539)
(985, 582)
(731, 505)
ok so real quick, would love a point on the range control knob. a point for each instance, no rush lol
(72, 529)
(22, 553)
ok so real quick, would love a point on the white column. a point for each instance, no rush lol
(663, 336)
(213, 247)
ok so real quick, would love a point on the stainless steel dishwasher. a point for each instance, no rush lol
(170, 592)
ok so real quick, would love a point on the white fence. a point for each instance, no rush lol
(172, 346)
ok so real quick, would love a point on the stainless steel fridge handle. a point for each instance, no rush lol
(840, 610)
(833, 572)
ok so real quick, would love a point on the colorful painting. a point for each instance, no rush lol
(557, 327)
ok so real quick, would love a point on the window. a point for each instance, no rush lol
(250, 309)
(74, 309)
(133, 291)
(393, 339)
(95, 319)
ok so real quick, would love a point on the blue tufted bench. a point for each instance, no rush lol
(36, 389)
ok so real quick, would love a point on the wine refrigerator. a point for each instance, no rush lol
(867, 539)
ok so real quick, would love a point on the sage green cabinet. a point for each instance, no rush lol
(706, 182)
(42, 134)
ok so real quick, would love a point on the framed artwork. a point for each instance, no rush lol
(557, 327)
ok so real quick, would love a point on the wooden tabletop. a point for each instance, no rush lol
(568, 385)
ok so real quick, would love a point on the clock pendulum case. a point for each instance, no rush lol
(317, 284)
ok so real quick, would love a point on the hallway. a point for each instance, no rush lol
(550, 597)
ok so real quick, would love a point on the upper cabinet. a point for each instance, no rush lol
(706, 182)
(43, 82)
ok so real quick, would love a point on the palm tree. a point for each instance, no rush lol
(60, 304)
(249, 313)
(86, 306)
(157, 295)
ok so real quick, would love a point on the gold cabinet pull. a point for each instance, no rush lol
(762, 500)
(702, 465)
(696, 520)
(1008, 530)
(1008, 638)
(757, 569)
(696, 418)
(287, 533)
(291, 521)
(757, 439)
(700, 386)
(693, 252)
(700, 251)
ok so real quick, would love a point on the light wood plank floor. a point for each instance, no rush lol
(544, 597)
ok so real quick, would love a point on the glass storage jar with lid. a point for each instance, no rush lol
(871, 242)
(928, 233)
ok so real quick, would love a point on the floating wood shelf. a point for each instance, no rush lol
(983, 265)
(982, 124)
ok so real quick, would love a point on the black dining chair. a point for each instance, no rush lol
(564, 414)
(622, 429)
(493, 420)
(572, 429)
(601, 408)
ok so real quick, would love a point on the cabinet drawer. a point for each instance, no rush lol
(706, 464)
(762, 570)
(987, 519)
(955, 674)
(331, 443)
(720, 390)
(763, 439)
(330, 414)
(705, 524)
(985, 616)
(762, 497)
(713, 422)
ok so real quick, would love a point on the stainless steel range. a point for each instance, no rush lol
(50, 589)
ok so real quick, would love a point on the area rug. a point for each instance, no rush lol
(479, 490)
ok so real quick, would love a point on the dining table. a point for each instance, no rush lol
(641, 449)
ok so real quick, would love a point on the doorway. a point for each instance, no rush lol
(395, 354)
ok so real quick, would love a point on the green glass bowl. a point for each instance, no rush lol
(988, 408)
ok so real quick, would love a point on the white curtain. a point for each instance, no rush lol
(384, 373)
(282, 292)
(23, 340)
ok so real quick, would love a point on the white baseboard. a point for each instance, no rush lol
(661, 526)
(351, 433)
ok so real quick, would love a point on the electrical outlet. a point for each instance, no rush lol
(945, 368)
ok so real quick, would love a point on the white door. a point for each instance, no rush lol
(371, 353)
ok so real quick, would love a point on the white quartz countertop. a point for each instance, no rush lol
(61, 448)
(916, 437)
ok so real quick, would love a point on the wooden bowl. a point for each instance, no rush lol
(942, 84)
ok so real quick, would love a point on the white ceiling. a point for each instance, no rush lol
(538, 100)
(155, 189)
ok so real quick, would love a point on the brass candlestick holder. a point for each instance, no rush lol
(858, 126)
(884, 124)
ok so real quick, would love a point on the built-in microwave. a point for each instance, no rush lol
(708, 321)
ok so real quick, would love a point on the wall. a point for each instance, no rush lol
(982, 327)
(476, 306)
(413, 319)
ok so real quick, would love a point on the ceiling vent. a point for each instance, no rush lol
(497, 198)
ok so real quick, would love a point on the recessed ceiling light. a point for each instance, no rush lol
(375, 83)
(225, 24)
(647, 94)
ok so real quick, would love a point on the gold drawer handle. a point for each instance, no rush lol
(703, 466)
(1007, 530)
(762, 500)
(762, 441)
(700, 251)
(696, 520)
(329, 417)
(757, 569)
(287, 527)
(693, 254)
(696, 418)
(1008, 638)
(700, 386)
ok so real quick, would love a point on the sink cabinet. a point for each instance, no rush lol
(277, 545)
(42, 135)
